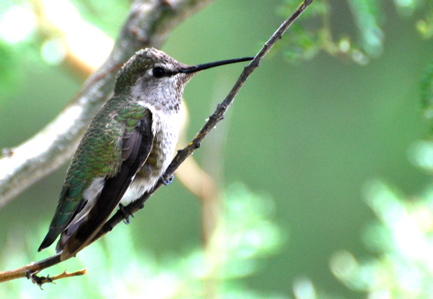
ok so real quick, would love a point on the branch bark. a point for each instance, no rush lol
(147, 25)
(216, 117)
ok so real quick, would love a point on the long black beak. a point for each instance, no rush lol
(200, 67)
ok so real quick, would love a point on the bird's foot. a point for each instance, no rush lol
(39, 280)
(125, 213)
(167, 181)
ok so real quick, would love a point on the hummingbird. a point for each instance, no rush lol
(126, 148)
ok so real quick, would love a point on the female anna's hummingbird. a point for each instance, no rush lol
(127, 147)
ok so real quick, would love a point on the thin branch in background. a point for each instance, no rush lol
(212, 210)
(216, 117)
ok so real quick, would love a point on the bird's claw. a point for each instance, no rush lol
(125, 213)
(38, 280)
(166, 181)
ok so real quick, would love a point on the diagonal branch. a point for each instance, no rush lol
(216, 117)
(213, 120)
(147, 25)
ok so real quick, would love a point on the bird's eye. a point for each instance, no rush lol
(158, 72)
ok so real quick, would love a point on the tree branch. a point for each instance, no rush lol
(147, 25)
(217, 116)
(213, 120)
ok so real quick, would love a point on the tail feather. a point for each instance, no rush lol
(49, 238)
(79, 234)
(60, 221)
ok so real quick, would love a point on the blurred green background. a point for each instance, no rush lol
(307, 136)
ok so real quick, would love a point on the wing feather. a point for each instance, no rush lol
(79, 220)
(136, 147)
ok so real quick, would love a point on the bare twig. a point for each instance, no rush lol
(28, 270)
(217, 116)
(147, 24)
(40, 280)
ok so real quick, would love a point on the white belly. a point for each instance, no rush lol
(165, 140)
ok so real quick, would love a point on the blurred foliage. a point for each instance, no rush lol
(23, 40)
(316, 31)
(7, 62)
(17, 46)
(400, 239)
(245, 235)
(427, 92)
(102, 13)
